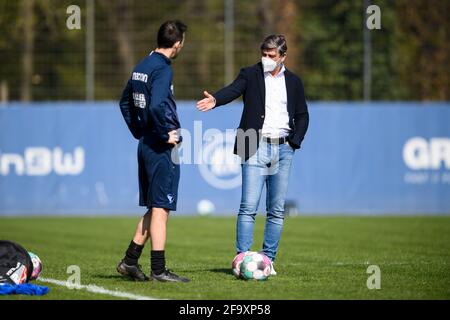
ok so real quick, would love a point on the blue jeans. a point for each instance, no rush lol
(270, 165)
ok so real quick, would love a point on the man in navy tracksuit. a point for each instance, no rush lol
(149, 109)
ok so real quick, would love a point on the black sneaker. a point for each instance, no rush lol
(134, 271)
(168, 276)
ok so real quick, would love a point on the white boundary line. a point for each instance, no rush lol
(97, 289)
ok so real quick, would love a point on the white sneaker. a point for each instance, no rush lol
(273, 272)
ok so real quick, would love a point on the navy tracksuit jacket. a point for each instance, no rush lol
(147, 102)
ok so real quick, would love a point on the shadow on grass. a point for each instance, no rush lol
(112, 277)
(221, 270)
(119, 277)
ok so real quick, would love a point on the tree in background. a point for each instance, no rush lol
(42, 60)
(27, 51)
(422, 54)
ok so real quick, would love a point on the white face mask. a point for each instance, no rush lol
(269, 65)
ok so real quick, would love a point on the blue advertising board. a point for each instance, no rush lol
(357, 158)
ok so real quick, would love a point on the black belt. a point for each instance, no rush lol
(275, 140)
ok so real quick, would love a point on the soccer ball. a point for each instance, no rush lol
(37, 266)
(255, 266)
(205, 207)
(236, 265)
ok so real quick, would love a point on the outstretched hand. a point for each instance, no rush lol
(207, 103)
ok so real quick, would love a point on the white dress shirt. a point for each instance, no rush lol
(276, 120)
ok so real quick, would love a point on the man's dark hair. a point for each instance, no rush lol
(170, 32)
(275, 41)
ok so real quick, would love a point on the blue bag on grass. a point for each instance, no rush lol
(25, 288)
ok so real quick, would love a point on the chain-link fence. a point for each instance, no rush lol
(42, 59)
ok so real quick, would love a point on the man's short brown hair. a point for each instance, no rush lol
(275, 41)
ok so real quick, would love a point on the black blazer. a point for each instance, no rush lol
(250, 83)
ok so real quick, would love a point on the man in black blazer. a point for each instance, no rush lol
(273, 124)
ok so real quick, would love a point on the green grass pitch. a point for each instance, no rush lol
(319, 257)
